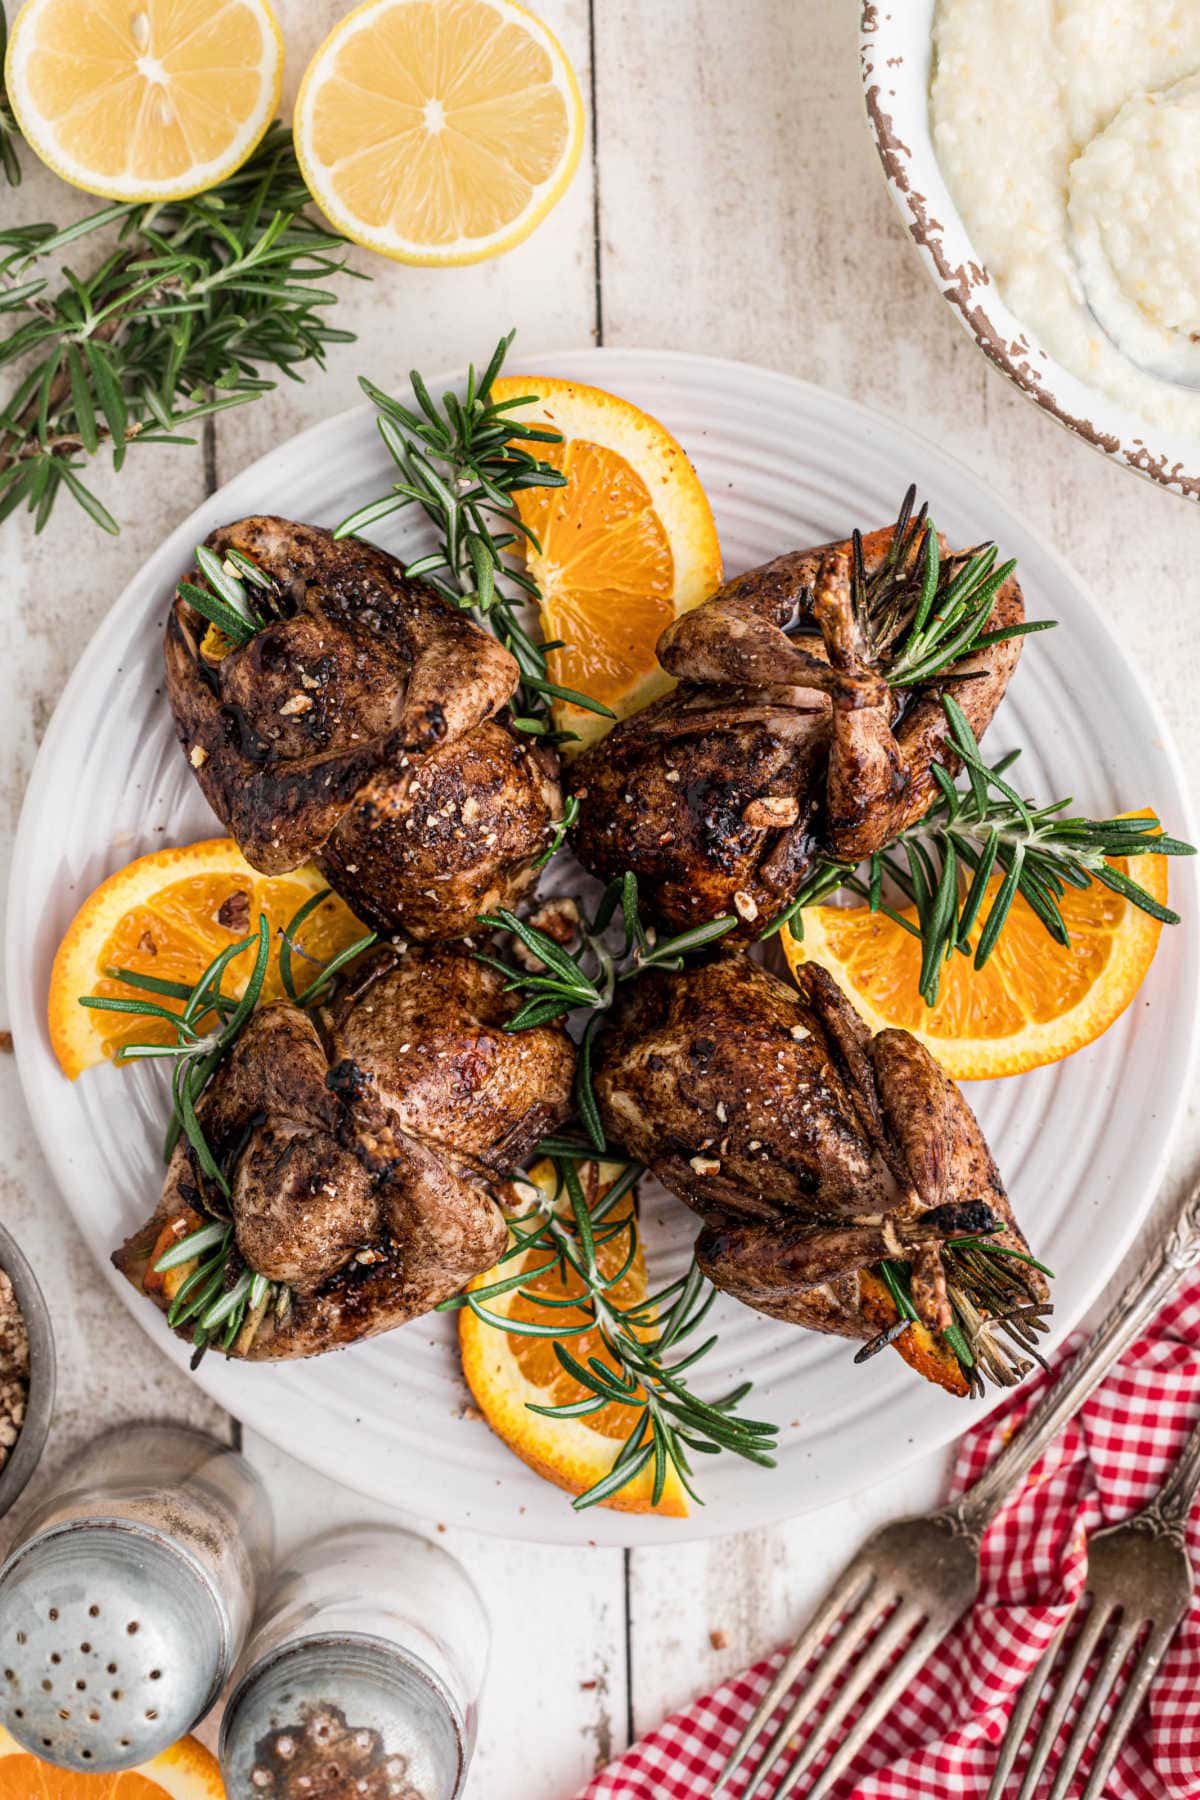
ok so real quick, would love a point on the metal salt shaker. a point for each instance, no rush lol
(363, 1676)
(125, 1607)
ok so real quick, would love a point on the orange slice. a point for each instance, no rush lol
(438, 131)
(144, 99)
(1033, 1002)
(187, 1771)
(626, 546)
(507, 1373)
(168, 915)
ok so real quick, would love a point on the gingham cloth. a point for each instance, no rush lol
(940, 1740)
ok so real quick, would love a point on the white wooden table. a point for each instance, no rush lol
(729, 202)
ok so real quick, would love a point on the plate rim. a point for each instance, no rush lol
(603, 1527)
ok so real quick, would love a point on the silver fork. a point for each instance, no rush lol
(1139, 1581)
(914, 1579)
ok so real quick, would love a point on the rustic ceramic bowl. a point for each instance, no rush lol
(897, 51)
(27, 1450)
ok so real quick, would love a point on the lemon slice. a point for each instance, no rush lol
(144, 99)
(438, 131)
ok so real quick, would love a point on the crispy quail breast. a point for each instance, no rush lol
(810, 1149)
(363, 729)
(362, 1145)
(782, 744)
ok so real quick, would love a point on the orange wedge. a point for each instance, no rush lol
(625, 547)
(438, 131)
(168, 915)
(187, 1771)
(507, 1373)
(144, 99)
(1033, 1002)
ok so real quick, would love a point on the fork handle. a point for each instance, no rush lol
(978, 1506)
(1173, 1501)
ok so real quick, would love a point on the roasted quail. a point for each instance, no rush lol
(360, 727)
(775, 748)
(361, 1144)
(810, 1149)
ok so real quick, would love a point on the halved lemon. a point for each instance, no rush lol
(438, 131)
(1033, 1002)
(626, 546)
(144, 99)
(167, 915)
(187, 1771)
(507, 1373)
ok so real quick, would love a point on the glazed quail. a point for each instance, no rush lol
(363, 727)
(775, 748)
(361, 1144)
(810, 1149)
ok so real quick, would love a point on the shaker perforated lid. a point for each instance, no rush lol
(112, 1645)
(341, 1715)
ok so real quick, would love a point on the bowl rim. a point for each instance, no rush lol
(899, 125)
(39, 1407)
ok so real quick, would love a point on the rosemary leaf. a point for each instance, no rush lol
(191, 307)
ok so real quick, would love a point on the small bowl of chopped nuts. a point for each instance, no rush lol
(26, 1371)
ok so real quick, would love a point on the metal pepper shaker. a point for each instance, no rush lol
(362, 1677)
(125, 1608)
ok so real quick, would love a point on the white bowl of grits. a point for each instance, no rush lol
(1045, 157)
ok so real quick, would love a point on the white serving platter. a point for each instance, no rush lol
(1082, 1145)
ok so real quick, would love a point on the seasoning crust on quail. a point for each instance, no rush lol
(362, 1143)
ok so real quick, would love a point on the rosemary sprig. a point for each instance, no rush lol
(192, 301)
(645, 1369)
(462, 464)
(984, 832)
(919, 615)
(997, 1314)
(587, 977)
(10, 135)
(220, 1293)
(239, 598)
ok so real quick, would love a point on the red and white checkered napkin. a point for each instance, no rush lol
(940, 1739)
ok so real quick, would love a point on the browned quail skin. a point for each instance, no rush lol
(363, 729)
(775, 749)
(362, 1145)
(810, 1149)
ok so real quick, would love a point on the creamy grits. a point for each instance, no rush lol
(1068, 132)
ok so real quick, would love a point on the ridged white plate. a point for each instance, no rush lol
(1082, 1145)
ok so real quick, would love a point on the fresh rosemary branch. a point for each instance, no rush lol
(997, 1315)
(220, 1294)
(462, 464)
(192, 302)
(239, 599)
(586, 978)
(643, 1369)
(10, 134)
(920, 615)
(980, 845)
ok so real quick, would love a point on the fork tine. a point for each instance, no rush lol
(1123, 1639)
(906, 1616)
(1140, 1677)
(1025, 1708)
(926, 1640)
(829, 1668)
(849, 1591)
(1080, 1655)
